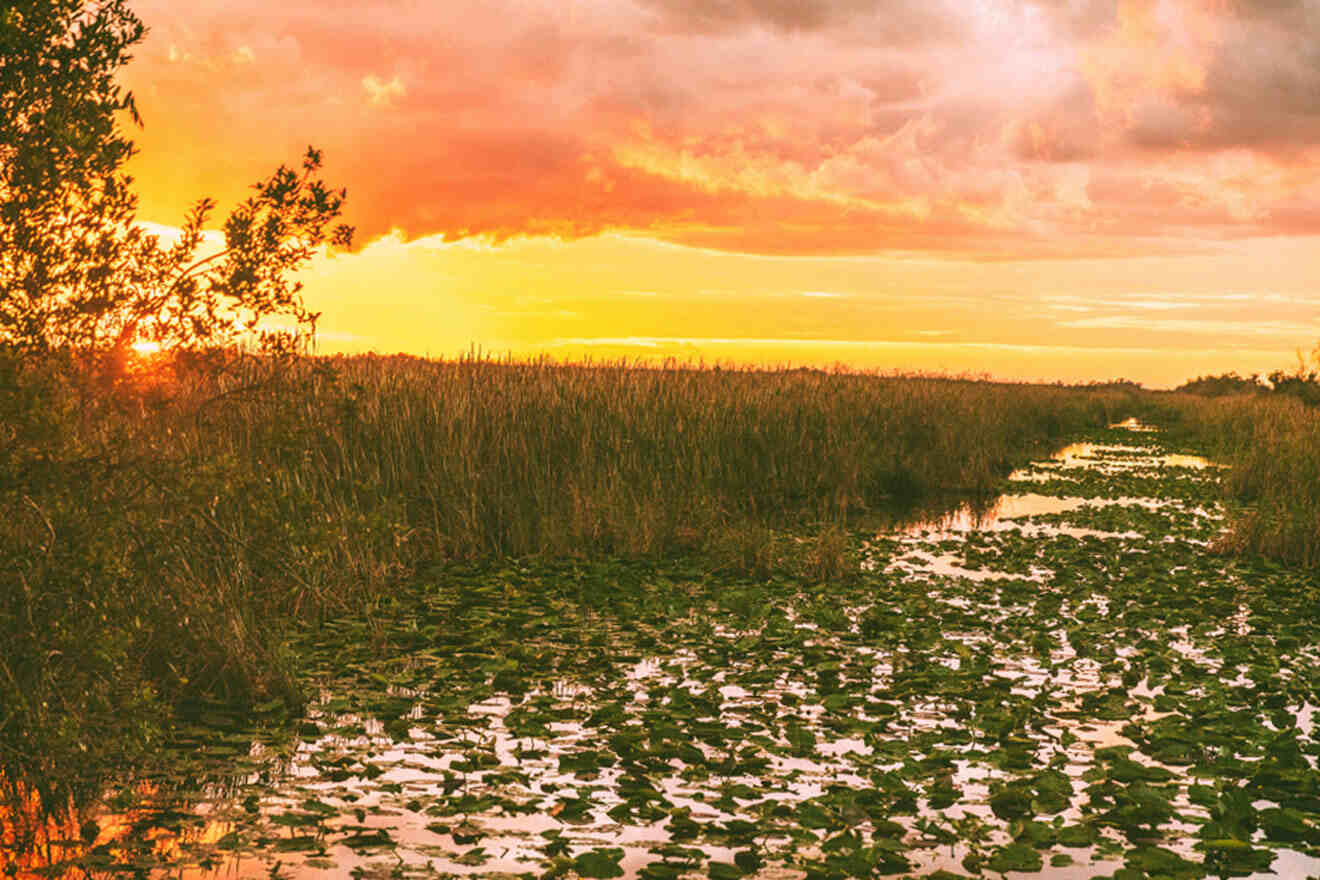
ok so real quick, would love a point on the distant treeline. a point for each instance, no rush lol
(1302, 384)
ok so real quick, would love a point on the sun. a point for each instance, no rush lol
(146, 347)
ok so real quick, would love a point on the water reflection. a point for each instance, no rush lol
(1014, 510)
(1132, 423)
(995, 515)
(1122, 457)
(157, 831)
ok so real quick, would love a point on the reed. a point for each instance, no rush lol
(161, 542)
(1272, 446)
(474, 458)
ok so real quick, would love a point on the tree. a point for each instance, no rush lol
(77, 271)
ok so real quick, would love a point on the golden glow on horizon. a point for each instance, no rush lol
(615, 296)
(1026, 189)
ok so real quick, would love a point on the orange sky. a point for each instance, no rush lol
(1046, 189)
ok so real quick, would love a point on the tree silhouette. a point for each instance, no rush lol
(77, 271)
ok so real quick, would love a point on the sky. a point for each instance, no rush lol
(1047, 190)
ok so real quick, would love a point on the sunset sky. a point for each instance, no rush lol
(1059, 189)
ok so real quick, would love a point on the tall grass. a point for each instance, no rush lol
(1272, 446)
(159, 542)
(478, 458)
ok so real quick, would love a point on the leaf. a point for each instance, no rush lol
(723, 871)
(1011, 803)
(1015, 857)
(599, 863)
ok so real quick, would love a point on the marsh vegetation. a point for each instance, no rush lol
(167, 538)
(1066, 682)
(477, 616)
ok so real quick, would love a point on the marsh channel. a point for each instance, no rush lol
(1067, 684)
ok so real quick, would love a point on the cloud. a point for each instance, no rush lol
(1160, 123)
(899, 21)
(1263, 87)
(1241, 75)
(1036, 127)
(1284, 330)
(1080, 20)
(707, 15)
(382, 92)
(1065, 128)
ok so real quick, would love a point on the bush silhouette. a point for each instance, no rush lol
(77, 271)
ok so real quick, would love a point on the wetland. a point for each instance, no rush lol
(1074, 681)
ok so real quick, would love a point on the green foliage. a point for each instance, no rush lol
(1301, 383)
(65, 205)
(121, 589)
(77, 271)
(1223, 384)
(1015, 857)
(118, 595)
(599, 863)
